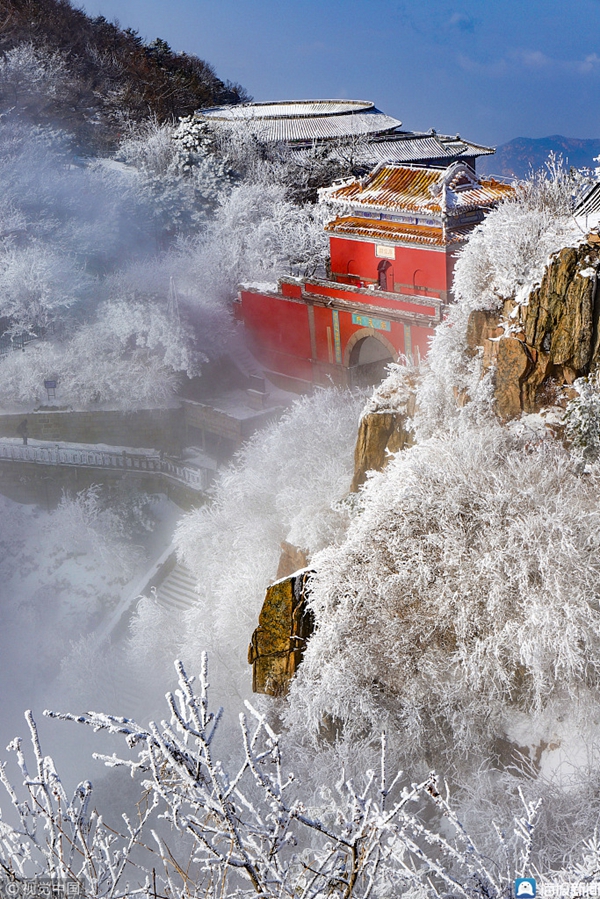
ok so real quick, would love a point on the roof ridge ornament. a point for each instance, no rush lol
(460, 170)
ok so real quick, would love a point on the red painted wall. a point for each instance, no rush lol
(416, 269)
(395, 336)
(279, 332)
(324, 340)
(420, 339)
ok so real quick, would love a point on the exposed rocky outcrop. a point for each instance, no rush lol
(284, 625)
(536, 351)
(545, 344)
(560, 318)
(383, 430)
(292, 559)
(379, 434)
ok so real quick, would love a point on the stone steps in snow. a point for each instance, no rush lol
(177, 591)
(245, 361)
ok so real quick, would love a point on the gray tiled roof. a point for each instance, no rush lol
(304, 123)
(414, 148)
(457, 146)
(306, 120)
(589, 204)
(287, 109)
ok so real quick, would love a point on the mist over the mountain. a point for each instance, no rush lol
(454, 596)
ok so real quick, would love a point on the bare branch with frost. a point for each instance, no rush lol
(61, 838)
(247, 833)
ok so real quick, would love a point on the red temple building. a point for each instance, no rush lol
(392, 257)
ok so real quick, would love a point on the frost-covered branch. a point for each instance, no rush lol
(63, 838)
(248, 831)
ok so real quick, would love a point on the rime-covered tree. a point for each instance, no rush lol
(246, 831)
(85, 74)
(180, 179)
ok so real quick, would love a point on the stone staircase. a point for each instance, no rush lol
(174, 592)
(177, 592)
(243, 359)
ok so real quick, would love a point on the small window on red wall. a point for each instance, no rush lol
(352, 273)
(419, 279)
(385, 275)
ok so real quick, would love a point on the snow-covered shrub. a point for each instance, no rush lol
(395, 391)
(142, 326)
(75, 233)
(582, 418)
(451, 386)
(37, 286)
(506, 256)
(302, 173)
(180, 288)
(178, 176)
(128, 358)
(286, 484)
(85, 209)
(85, 378)
(60, 222)
(84, 525)
(259, 235)
(466, 591)
(34, 80)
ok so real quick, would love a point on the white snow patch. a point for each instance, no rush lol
(267, 286)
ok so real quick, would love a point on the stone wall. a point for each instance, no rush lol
(161, 429)
(27, 482)
(205, 417)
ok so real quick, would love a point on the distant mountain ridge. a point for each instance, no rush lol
(519, 156)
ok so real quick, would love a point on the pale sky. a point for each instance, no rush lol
(489, 69)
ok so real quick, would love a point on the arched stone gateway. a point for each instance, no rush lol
(368, 355)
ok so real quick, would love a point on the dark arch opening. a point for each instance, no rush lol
(351, 271)
(385, 275)
(369, 358)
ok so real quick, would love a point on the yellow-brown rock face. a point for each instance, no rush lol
(292, 559)
(513, 363)
(379, 434)
(560, 316)
(278, 643)
(553, 339)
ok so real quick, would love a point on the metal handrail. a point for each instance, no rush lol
(197, 478)
(8, 343)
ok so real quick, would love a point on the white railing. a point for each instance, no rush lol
(197, 478)
(106, 457)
